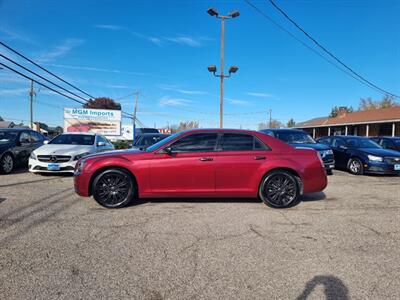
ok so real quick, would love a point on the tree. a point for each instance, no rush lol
(274, 124)
(184, 125)
(1, 119)
(335, 110)
(291, 123)
(102, 103)
(386, 102)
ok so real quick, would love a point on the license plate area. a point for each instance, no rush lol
(53, 167)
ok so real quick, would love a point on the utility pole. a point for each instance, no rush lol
(270, 118)
(212, 12)
(134, 115)
(31, 94)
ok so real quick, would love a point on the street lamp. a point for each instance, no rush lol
(212, 68)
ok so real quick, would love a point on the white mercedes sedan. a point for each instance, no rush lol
(61, 153)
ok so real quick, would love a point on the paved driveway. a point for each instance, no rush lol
(343, 243)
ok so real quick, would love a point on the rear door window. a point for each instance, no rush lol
(240, 142)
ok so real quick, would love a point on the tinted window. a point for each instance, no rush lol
(201, 142)
(36, 137)
(338, 143)
(295, 137)
(73, 139)
(237, 142)
(387, 144)
(8, 136)
(361, 143)
(24, 137)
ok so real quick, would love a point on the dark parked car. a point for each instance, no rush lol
(140, 131)
(16, 145)
(146, 140)
(388, 142)
(361, 155)
(300, 139)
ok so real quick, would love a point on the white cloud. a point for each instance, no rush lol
(261, 95)
(83, 68)
(156, 41)
(13, 92)
(61, 50)
(167, 101)
(175, 88)
(14, 35)
(118, 86)
(186, 40)
(238, 102)
(109, 27)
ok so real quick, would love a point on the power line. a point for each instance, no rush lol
(41, 77)
(42, 84)
(327, 51)
(263, 14)
(44, 69)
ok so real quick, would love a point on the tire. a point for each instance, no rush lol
(114, 188)
(280, 189)
(355, 166)
(7, 163)
(329, 172)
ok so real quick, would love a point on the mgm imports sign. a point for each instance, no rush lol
(102, 121)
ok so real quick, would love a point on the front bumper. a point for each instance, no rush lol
(380, 168)
(36, 166)
(329, 164)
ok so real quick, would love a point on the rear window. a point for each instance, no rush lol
(240, 142)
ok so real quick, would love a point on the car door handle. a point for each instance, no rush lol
(206, 158)
(259, 157)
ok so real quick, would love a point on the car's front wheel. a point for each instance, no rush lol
(355, 166)
(6, 163)
(279, 189)
(114, 188)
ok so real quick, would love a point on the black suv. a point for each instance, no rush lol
(16, 145)
(388, 142)
(300, 139)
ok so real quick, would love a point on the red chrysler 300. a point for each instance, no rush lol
(203, 163)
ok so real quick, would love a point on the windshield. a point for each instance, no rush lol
(163, 142)
(295, 137)
(8, 136)
(397, 142)
(362, 143)
(73, 139)
(148, 140)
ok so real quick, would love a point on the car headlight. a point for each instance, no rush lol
(79, 167)
(375, 158)
(325, 152)
(79, 156)
(33, 156)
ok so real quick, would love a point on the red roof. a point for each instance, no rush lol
(366, 116)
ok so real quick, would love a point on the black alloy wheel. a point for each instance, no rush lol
(280, 189)
(114, 188)
(355, 166)
(6, 163)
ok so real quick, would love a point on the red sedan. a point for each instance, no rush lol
(203, 163)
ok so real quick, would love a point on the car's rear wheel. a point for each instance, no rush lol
(114, 188)
(355, 166)
(6, 163)
(279, 189)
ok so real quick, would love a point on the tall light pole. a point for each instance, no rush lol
(212, 12)
(137, 93)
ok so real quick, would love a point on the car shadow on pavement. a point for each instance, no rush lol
(334, 288)
(194, 200)
(2, 200)
(313, 197)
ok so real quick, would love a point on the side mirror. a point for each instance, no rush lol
(45, 142)
(168, 150)
(101, 144)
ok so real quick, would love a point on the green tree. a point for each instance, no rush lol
(102, 103)
(291, 123)
(386, 102)
(1, 119)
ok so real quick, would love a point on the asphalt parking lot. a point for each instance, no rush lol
(340, 244)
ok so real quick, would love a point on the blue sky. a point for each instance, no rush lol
(163, 48)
